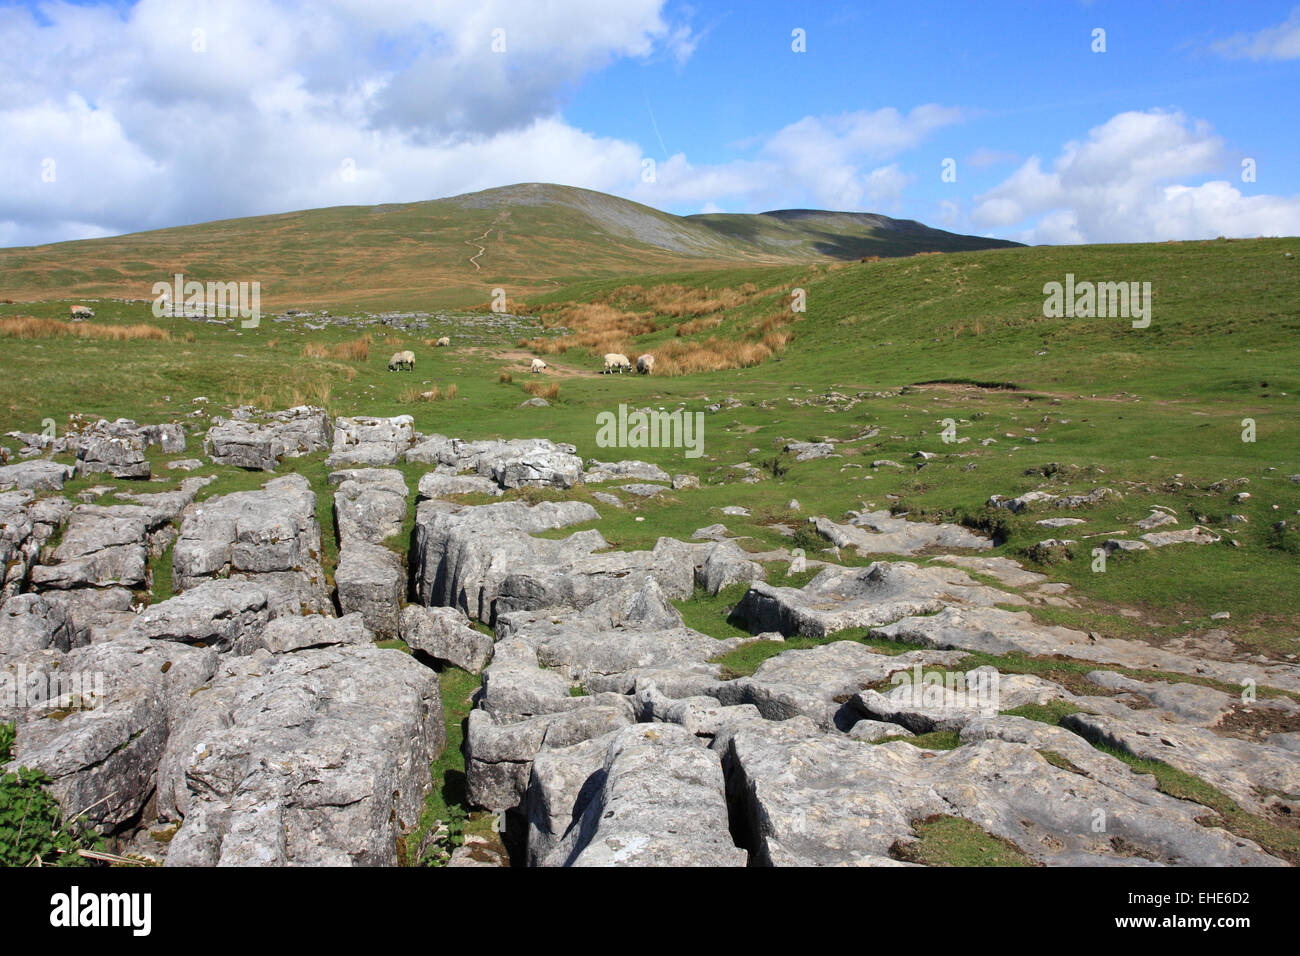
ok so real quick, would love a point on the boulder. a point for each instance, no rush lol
(601, 471)
(291, 633)
(446, 635)
(263, 444)
(369, 504)
(317, 757)
(119, 457)
(435, 485)
(371, 581)
(661, 802)
(269, 537)
(365, 440)
(215, 613)
(120, 701)
(36, 475)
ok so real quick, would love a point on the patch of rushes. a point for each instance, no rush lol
(955, 841)
(435, 394)
(613, 321)
(355, 350)
(27, 327)
(550, 392)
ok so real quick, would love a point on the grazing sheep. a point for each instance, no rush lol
(444, 341)
(645, 364)
(538, 365)
(81, 311)
(404, 359)
(617, 360)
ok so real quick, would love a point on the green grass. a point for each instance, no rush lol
(1109, 405)
(934, 740)
(446, 801)
(954, 841)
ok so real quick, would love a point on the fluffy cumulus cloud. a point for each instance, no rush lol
(128, 117)
(827, 161)
(1128, 182)
(172, 111)
(1281, 42)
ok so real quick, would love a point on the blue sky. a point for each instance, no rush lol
(127, 116)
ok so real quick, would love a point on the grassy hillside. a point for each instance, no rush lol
(887, 353)
(426, 255)
(898, 345)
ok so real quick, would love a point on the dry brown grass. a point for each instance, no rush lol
(435, 394)
(27, 327)
(505, 378)
(358, 350)
(609, 325)
(709, 355)
(538, 390)
(679, 301)
(695, 326)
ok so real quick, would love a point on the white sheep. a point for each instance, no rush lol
(617, 360)
(402, 359)
(81, 311)
(538, 365)
(645, 364)
(443, 341)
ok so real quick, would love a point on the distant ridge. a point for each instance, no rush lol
(532, 236)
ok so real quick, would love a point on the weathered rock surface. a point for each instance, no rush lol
(1242, 769)
(103, 546)
(291, 633)
(371, 581)
(445, 634)
(101, 734)
(262, 445)
(725, 564)
(808, 798)
(435, 485)
(873, 596)
(105, 454)
(878, 532)
(269, 537)
(37, 475)
(536, 469)
(369, 504)
(365, 440)
(214, 613)
(317, 757)
(807, 450)
(996, 631)
(499, 756)
(30, 623)
(602, 471)
(661, 802)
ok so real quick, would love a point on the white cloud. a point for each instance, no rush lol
(1281, 42)
(824, 160)
(1123, 184)
(146, 132)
